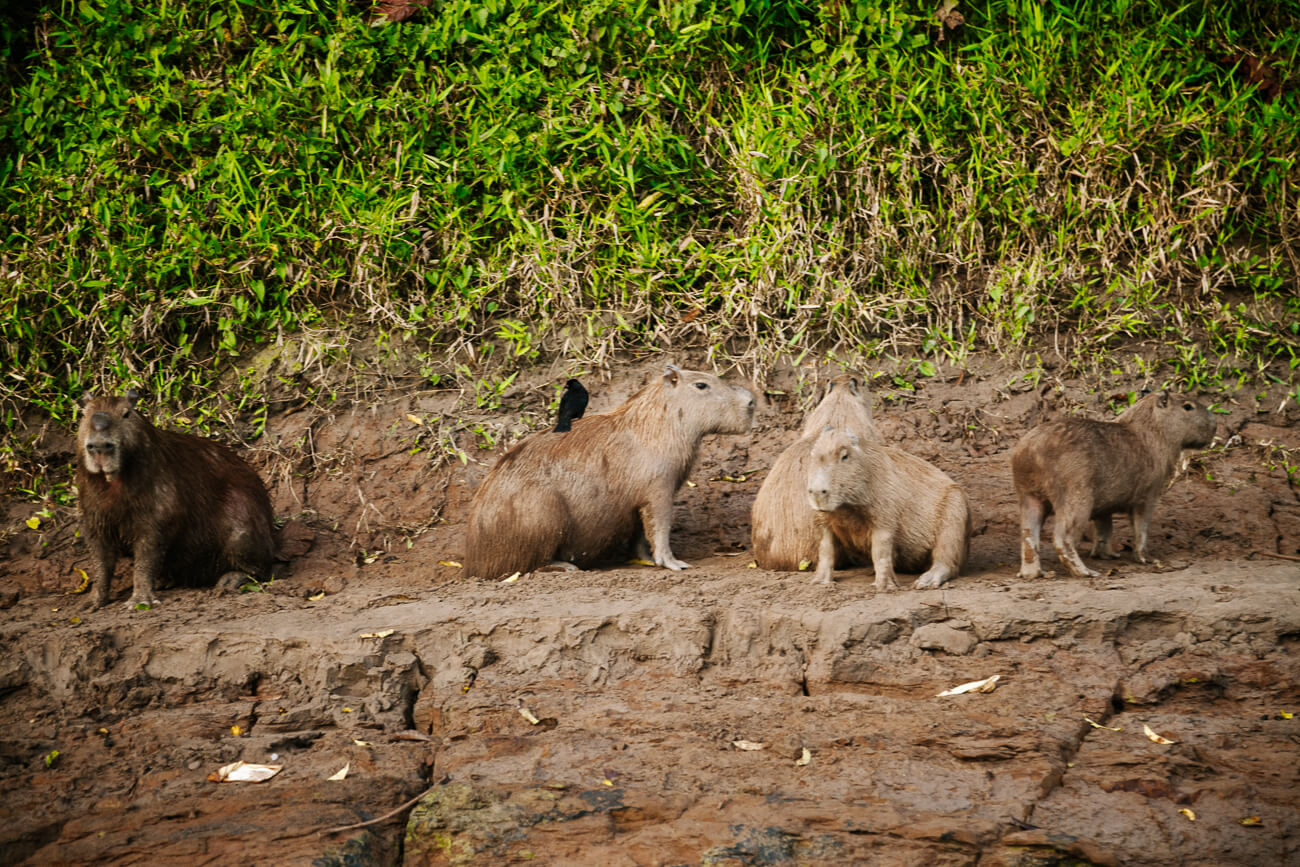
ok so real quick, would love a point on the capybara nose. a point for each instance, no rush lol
(100, 421)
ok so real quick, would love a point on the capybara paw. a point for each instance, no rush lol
(141, 600)
(932, 578)
(674, 564)
(886, 583)
(1029, 573)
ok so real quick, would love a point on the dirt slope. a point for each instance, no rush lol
(644, 680)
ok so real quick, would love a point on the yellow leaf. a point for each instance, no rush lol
(33, 522)
(637, 561)
(85, 582)
(383, 633)
(1251, 821)
(236, 731)
(414, 419)
(512, 579)
(528, 715)
(1155, 738)
(75, 620)
(752, 566)
(362, 743)
(748, 745)
(804, 758)
(804, 564)
(1191, 817)
(318, 597)
(1098, 725)
(1286, 715)
(347, 710)
(452, 563)
(690, 484)
(607, 782)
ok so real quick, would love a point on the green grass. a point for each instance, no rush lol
(182, 184)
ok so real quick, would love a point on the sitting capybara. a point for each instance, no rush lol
(1084, 470)
(784, 530)
(576, 497)
(877, 501)
(187, 509)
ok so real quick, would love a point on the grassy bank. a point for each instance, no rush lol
(183, 183)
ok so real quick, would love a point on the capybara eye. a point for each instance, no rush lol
(702, 386)
(844, 455)
(1189, 407)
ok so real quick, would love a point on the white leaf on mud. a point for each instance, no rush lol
(362, 743)
(528, 715)
(805, 758)
(413, 419)
(748, 745)
(988, 684)
(342, 773)
(1098, 725)
(383, 633)
(512, 579)
(243, 772)
(1155, 738)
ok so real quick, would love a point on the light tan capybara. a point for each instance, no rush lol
(1083, 470)
(577, 497)
(784, 530)
(186, 509)
(880, 502)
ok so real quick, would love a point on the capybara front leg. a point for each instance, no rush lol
(657, 519)
(882, 557)
(148, 563)
(101, 573)
(1103, 543)
(1141, 518)
(825, 557)
(1032, 512)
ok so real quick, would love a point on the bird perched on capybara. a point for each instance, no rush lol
(573, 403)
(187, 510)
(1083, 469)
(784, 530)
(576, 497)
(877, 501)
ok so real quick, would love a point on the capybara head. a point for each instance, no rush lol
(710, 403)
(846, 404)
(111, 429)
(833, 471)
(1179, 421)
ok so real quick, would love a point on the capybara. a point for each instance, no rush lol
(877, 501)
(187, 509)
(1083, 470)
(784, 530)
(573, 403)
(576, 497)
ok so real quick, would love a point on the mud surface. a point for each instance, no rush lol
(647, 685)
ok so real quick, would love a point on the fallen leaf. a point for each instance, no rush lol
(528, 715)
(34, 522)
(1098, 725)
(607, 782)
(383, 633)
(1285, 715)
(85, 582)
(236, 731)
(752, 566)
(1251, 821)
(75, 620)
(318, 597)
(1155, 738)
(804, 564)
(512, 579)
(362, 743)
(243, 772)
(51, 757)
(347, 710)
(414, 419)
(804, 758)
(342, 773)
(1191, 817)
(690, 484)
(452, 563)
(748, 745)
(637, 561)
(988, 684)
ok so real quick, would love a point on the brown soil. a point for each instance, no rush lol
(644, 680)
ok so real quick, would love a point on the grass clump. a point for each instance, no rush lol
(185, 183)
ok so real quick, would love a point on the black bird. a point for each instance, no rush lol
(573, 403)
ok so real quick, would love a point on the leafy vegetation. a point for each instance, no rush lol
(184, 183)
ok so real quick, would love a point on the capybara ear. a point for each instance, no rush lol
(132, 396)
(672, 374)
(854, 385)
(1163, 400)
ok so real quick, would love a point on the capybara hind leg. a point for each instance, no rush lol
(657, 518)
(882, 557)
(1032, 512)
(559, 566)
(1141, 517)
(148, 563)
(1103, 543)
(1069, 527)
(951, 543)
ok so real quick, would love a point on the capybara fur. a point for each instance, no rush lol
(1084, 470)
(186, 509)
(577, 497)
(880, 502)
(784, 530)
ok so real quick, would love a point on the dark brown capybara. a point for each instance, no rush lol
(187, 510)
(576, 497)
(784, 530)
(1083, 470)
(880, 502)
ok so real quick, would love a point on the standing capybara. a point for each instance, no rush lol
(874, 500)
(576, 497)
(187, 509)
(1087, 470)
(784, 530)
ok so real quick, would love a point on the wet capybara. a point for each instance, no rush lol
(1083, 470)
(784, 530)
(577, 497)
(880, 502)
(186, 509)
